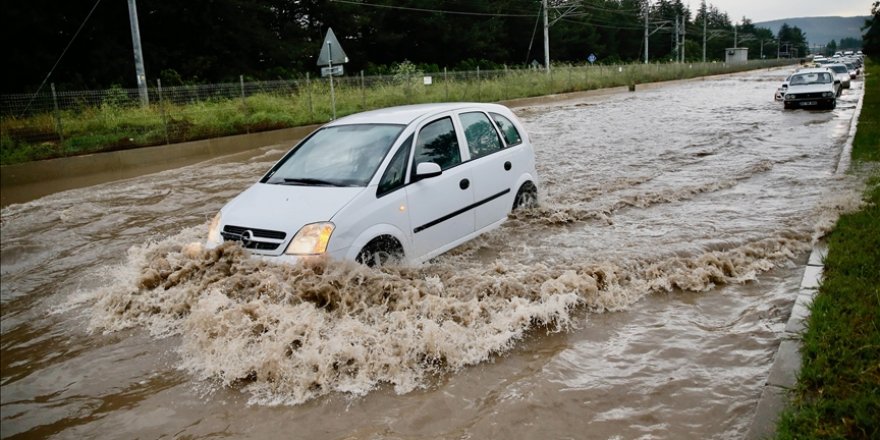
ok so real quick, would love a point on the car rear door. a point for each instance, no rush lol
(441, 207)
(494, 168)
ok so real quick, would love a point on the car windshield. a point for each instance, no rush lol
(810, 78)
(344, 155)
(839, 69)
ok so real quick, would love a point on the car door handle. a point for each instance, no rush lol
(507, 166)
(464, 184)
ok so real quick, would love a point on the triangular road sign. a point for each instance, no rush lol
(331, 50)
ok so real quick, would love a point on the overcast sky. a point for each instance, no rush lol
(765, 10)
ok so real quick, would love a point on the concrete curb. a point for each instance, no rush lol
(787, 361)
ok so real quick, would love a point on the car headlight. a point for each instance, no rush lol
(214, 236)
(789, 97)
(828, 94)
(312, 239)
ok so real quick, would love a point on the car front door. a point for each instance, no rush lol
(441, 211)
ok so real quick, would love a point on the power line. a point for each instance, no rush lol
(443, 11)
(42, 84)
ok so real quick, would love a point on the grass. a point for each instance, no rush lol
(112, 127)
(838, 391)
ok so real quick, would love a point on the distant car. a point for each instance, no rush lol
(780, 92)
(811, 88)
(853, 70)
(841, 72)
(398, 184)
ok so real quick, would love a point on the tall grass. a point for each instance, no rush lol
(114, 126)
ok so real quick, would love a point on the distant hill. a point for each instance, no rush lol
(821, 30)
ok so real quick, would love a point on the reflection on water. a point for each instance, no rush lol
(685, 210)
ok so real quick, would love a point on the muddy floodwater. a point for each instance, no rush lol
(644, 298)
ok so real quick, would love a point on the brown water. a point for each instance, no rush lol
(645, 298)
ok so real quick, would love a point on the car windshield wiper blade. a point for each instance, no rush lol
(310, 181)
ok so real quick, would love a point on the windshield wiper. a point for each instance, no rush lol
(309, 181)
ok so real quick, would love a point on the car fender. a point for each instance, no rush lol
(375, 231)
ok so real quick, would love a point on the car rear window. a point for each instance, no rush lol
(482, 139)
(511, 135)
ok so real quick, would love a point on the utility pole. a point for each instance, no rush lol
(704, 33)
(683, 36)
(138, 54)
(677, 36)
(646, 31)
(546, 39)
(734, 36)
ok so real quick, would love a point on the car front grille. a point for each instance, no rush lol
(236, 233)
(807, 95)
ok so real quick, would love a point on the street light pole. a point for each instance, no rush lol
(138, 54)
(546, 39)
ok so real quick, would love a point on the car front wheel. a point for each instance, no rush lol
(381, 251)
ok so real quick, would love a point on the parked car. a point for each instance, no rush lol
(841, 72)
(404, 183)
(812, 88)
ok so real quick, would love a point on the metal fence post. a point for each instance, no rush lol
(162, 110)
(479, 90)
(446, 84)
(363, 92)
(309, 87)
(247, 127)
(58, 126)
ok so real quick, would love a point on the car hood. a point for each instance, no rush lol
(810, 88)
(286, 207)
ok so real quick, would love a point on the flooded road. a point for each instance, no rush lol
(644, 298)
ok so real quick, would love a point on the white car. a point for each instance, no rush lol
(812, 88)
(841, 72)
(398, 184)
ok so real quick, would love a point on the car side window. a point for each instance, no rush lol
(395, 174)
(437, 143)
(511, 135)
(482, 139)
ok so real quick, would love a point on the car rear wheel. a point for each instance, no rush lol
(381, 251)
(526, 197)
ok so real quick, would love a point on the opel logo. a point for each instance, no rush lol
(246, 237)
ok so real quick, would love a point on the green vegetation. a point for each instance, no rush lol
(866, 145)
(115, 126)
(838, 390)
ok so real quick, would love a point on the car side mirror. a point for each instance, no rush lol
(836, 81)
(427, 170)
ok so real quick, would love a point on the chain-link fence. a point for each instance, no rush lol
(58, 123)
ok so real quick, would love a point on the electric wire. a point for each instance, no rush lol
(69, 43)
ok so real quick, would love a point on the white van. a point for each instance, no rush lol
(398, 184)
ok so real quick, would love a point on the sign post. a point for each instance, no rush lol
(327, 57)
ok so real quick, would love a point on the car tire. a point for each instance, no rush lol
(526, 197)
(832, 105)
(381, 251)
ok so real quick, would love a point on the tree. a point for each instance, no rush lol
(830, 48)
(871, 37)
(792, 41)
